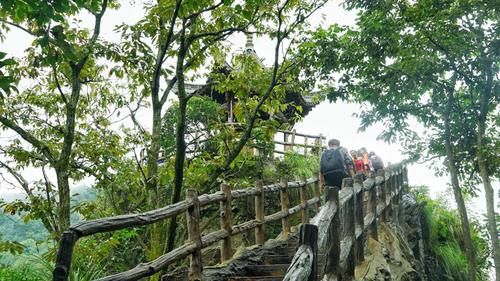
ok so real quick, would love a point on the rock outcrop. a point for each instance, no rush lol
(400, 252)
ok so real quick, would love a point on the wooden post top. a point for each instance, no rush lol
(331, 193)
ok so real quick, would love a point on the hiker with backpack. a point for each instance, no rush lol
(376, 162)
(335, 164)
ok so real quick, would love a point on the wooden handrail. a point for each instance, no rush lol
(302, 135)
(349, 200)
(384, 193)
(86, 228)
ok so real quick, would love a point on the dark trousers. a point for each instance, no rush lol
(335, 179)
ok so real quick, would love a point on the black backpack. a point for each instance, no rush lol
(332, 161)
(377, 163)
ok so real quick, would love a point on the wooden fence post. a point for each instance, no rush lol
(308, 235)
(382, 193)
(302, 268)
(333, 251)
(372, 207)
(350, 231)
(293, 139)
(226, 221)
(193, 223)
(359, 218)
(303, 201)
(284, 207)
(260, 237)
(286, 147)
(317, 193)
(305, 146)
(64, 255)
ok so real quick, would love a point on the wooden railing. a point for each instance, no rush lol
(191, 206)
(292, 140)
(341, 229)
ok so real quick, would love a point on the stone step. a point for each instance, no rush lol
(266, 270)
(274, 259)
(254, 278)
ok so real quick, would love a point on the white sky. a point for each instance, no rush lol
(332, 120)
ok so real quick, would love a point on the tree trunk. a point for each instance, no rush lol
(63, 163)
(483, 170)
(180, 142)
(180, 156)
(64, 210)
(450, 157)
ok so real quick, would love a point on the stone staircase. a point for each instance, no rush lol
(269, 263)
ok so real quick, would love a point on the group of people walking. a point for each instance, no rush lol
(338, 163)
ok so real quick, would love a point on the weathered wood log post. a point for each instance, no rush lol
(304, 264)
(303, 201)
(372, 206)
(194, 236)
(359, 218)
(317, 193)
(226, 221)
(350, 220)
(382, 193)
(260, 238)
(293, 140)
(285, 202)
(333, 250)
(63, 260)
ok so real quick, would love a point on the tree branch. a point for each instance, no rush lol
(44, 149)
(18, 177)
(32, 33)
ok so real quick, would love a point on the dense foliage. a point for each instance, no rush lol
(444, 238)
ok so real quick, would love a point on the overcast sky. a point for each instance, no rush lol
(330, 119)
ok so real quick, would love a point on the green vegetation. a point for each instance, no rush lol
(444, 238)
(75, 103)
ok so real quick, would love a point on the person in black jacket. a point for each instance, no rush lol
(334, 165)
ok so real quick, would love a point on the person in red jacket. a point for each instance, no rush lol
(359, 166)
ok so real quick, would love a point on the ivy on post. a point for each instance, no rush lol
(226, 223)
(284, 208)
(194, 236)
(359, 218)
(259, 214)
(333, 250)
(303, 201)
